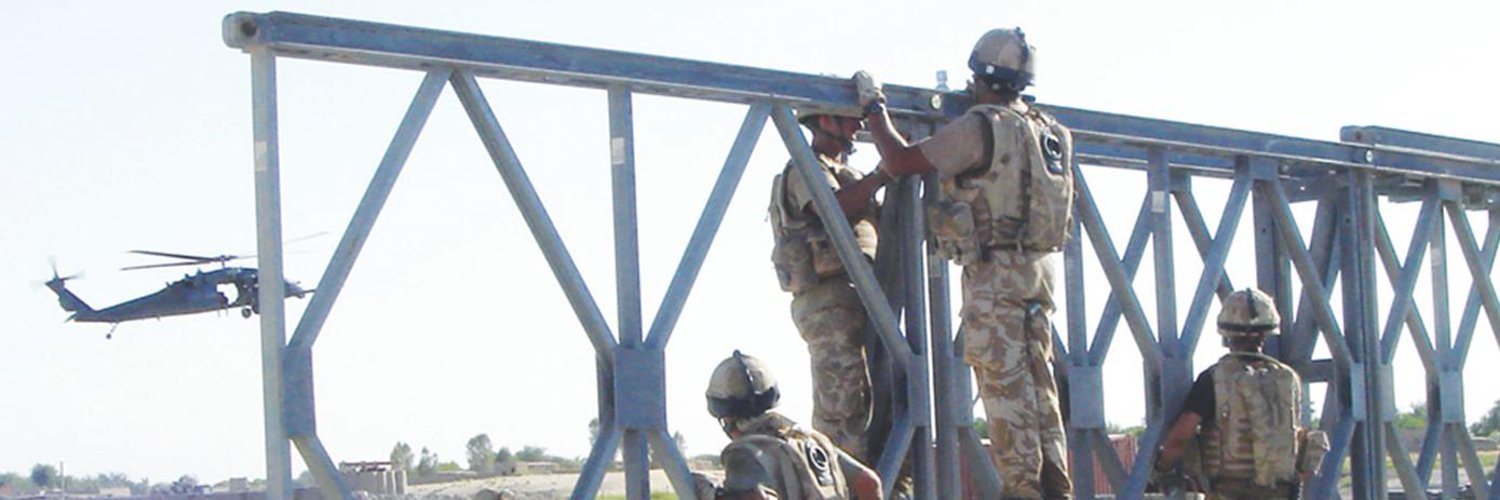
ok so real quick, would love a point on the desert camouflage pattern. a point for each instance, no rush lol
(1008, 341)
(1246, 490)
(1257, 406)
(1312, 444)
(1248, 313)
(1022, 201)
(797, 463)
(803, 254)
(831, 319)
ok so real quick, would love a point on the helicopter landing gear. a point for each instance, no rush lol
(245, 313)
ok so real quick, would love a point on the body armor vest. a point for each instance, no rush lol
(1257, 405)
(804, 462)
(1022, 200)
(803, 253)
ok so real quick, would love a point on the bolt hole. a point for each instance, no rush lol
(248, 29)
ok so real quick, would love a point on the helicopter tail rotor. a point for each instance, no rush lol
(69, 301)
(56, 279)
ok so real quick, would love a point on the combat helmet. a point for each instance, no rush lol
(1248, 312)
(1002, 60)
(741, 387)
(806, 116)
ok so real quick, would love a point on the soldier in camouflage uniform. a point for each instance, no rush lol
(825, 306)
(1246, 413)
(770, 455)
(1005, 174)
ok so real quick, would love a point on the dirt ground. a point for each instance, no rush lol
(535, 486)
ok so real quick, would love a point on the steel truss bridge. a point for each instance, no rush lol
(928, 387)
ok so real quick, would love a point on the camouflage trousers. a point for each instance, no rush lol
(1245, 490)
(831, 320)
(1008, 341)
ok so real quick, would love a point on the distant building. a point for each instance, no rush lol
(111, 492)
(527, 468)
(376, 478)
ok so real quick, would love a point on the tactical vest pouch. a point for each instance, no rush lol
(790, 256)
(825, 259)
(952, 225)
(793, 261)
(1312, 445)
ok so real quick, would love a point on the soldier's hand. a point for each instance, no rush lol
(868, 89)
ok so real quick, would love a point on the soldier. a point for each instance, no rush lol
(1246, 412)
(825, 307)
(770, 456)
(1005, 172)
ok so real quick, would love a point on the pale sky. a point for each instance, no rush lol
(128, 127)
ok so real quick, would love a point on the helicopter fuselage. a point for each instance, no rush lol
(194, 293)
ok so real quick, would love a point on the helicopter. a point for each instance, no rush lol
(194, 293)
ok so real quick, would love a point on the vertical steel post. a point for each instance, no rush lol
(1367, 466)
(919, 396)
(1176, 374)
(627, 272)
(1080, 448)
(946, 368)
(272, 284)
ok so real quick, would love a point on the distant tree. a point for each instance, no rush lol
(427, 465)
(306, 479)
(449, 466)
(186, 485)
(504, 455)
(1489, 423)
(481, 453)
(402, 457)
(593, 430)
(982, 428)
(43, 476)
(1415, 418)
(532, 454)
(1134, 430)
(16, 482)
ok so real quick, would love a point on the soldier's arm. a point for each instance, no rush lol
(862, 480)
(899, 157)
(1176, 443)
(855, 197)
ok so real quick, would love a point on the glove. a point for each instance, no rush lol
(868, 89)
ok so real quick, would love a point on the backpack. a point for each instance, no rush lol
(1257, 412)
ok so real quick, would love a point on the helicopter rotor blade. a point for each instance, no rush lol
(169, 264)
(304, 238)
(176, 255)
